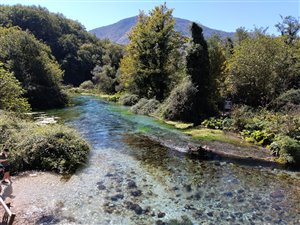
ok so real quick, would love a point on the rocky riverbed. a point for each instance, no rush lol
(130, 179)
(121, 193)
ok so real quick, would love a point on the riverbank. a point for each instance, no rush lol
(129, 179)
(222, 143)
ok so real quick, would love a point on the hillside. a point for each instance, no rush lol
(117, 32)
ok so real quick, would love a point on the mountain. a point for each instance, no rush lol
(118, 32)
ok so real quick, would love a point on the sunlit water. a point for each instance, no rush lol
(130, 179)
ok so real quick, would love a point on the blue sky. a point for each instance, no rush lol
(224, 15)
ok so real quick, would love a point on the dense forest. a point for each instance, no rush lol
(160, 72)
(44, 49)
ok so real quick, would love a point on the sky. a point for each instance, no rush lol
(226, 15)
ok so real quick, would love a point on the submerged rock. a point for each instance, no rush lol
(101, 186)
(160, 222)
(131, 184)
(117, 197)
(277, 194)
(136, 193)
(161, 215)
(135, 207)
(228, 194)
(211, 214)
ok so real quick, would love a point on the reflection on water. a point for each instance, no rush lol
(131, 179)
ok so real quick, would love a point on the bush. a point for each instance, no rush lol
(287, 101)
(288, 149)
(179, 105)
(241, 115)
(87, 85)
(128, 99)
(145, 106)
(105, 78)
(218, 123)
(50, 147)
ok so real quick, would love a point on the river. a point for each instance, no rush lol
(131, 179)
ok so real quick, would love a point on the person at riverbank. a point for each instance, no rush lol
(5, 162)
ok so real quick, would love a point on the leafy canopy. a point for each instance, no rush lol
(148, 64)
(11, 93)
(261, 68)
(34, 66)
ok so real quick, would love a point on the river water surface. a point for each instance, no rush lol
(131, 179)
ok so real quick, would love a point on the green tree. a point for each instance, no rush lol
(11, 93)
(34, 66)
(105, 78)
(217, 64)
(289, 27)
(261, 68)
(241, 34)
(198, 68)
(76, 50)
(148, 65)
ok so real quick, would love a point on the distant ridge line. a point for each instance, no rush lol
(118, 32)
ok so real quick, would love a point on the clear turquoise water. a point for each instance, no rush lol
(131, 179)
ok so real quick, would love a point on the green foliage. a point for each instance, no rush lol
(198, 68)
(145, 106)
(48, 147)
(105, 78)
(262, 68)
(179, 105)
(11, 93)
(128, 99)
(87, 85)
(34, 66)
(111, 98)
(288, 149)
(287, 101)
(278, 132)
(241, 34)
(76, 50)
(151, 58)
(261, 137)
(217, 66)
(218, 123)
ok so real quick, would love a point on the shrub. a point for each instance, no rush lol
(128, 99)
(111, 98)
(288, 149)
(261, 137)
(87, 85)
(241, 115)
(11, 93)
(50, 147)
(179, 105)
(145, 106)
(105, 78)
(218, 123)
(289, 100)
(213, 123)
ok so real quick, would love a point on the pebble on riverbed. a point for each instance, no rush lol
(131, 184)
(135, 207)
